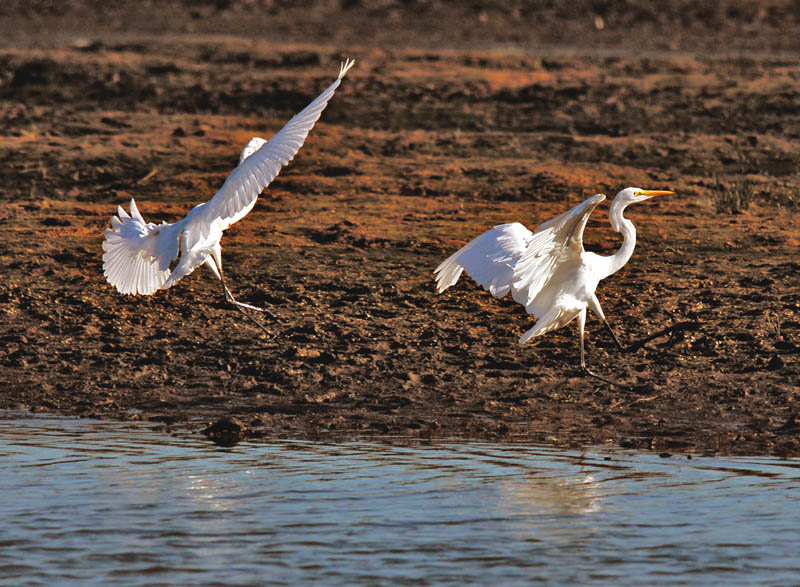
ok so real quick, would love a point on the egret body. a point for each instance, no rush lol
(142, 257)
(547, 270)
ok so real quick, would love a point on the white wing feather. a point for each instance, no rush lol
(509, 257)
(489, 259)
(553, 243)
(137, 254)
(238, 194)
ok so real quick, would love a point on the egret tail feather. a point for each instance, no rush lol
(137, 254)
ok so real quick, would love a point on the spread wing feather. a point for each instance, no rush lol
(509, 257)
(238, 194)
(489, 259)
(137, 254)
(554, 242)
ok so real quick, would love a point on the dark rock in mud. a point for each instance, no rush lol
(227, 431)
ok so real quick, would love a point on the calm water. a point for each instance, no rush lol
(85, 502)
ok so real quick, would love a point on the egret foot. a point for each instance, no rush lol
(233, 300)
(254, 308)
(237, 305)
(591, 373)
(241, 305)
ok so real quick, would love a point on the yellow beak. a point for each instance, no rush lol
(651, 193)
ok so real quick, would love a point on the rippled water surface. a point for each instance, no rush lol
(103, 503)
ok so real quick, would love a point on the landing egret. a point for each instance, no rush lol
(138, 255)
(547, 270)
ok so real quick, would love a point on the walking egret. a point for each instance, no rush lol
(138, 255)
(547, 270)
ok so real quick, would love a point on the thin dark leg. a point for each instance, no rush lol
(240, 306)
(233, 300)
(216, 264)
(613, 335)
(590, 373)
(594, 306)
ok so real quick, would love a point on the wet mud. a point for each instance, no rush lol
(422, 148)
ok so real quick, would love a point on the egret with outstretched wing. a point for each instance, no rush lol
(547, 270)
(139, 255)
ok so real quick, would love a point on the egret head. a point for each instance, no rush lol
(631, 195)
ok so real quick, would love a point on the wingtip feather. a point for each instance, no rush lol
(345, 67)
(135, 211)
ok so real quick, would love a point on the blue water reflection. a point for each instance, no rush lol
(104, 503)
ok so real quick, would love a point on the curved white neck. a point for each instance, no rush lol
(625, 227)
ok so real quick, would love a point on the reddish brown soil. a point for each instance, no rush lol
(431, 139)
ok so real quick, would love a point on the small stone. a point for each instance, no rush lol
(226, 431)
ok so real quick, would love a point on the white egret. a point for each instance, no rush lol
(138, 255)
(547, 270)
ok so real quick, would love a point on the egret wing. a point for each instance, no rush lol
(489, 259)
(137, 254)
(238, 194)
(552, 244)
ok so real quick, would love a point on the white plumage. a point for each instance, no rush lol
(547, 270)
(137, 254)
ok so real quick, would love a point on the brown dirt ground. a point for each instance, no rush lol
(438, 133)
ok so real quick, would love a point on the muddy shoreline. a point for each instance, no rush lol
(419, 151)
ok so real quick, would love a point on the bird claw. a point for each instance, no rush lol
(638, 388)
(243, 305)
(240, 306)
(591, 373)
(270, 335)
(263, 311)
